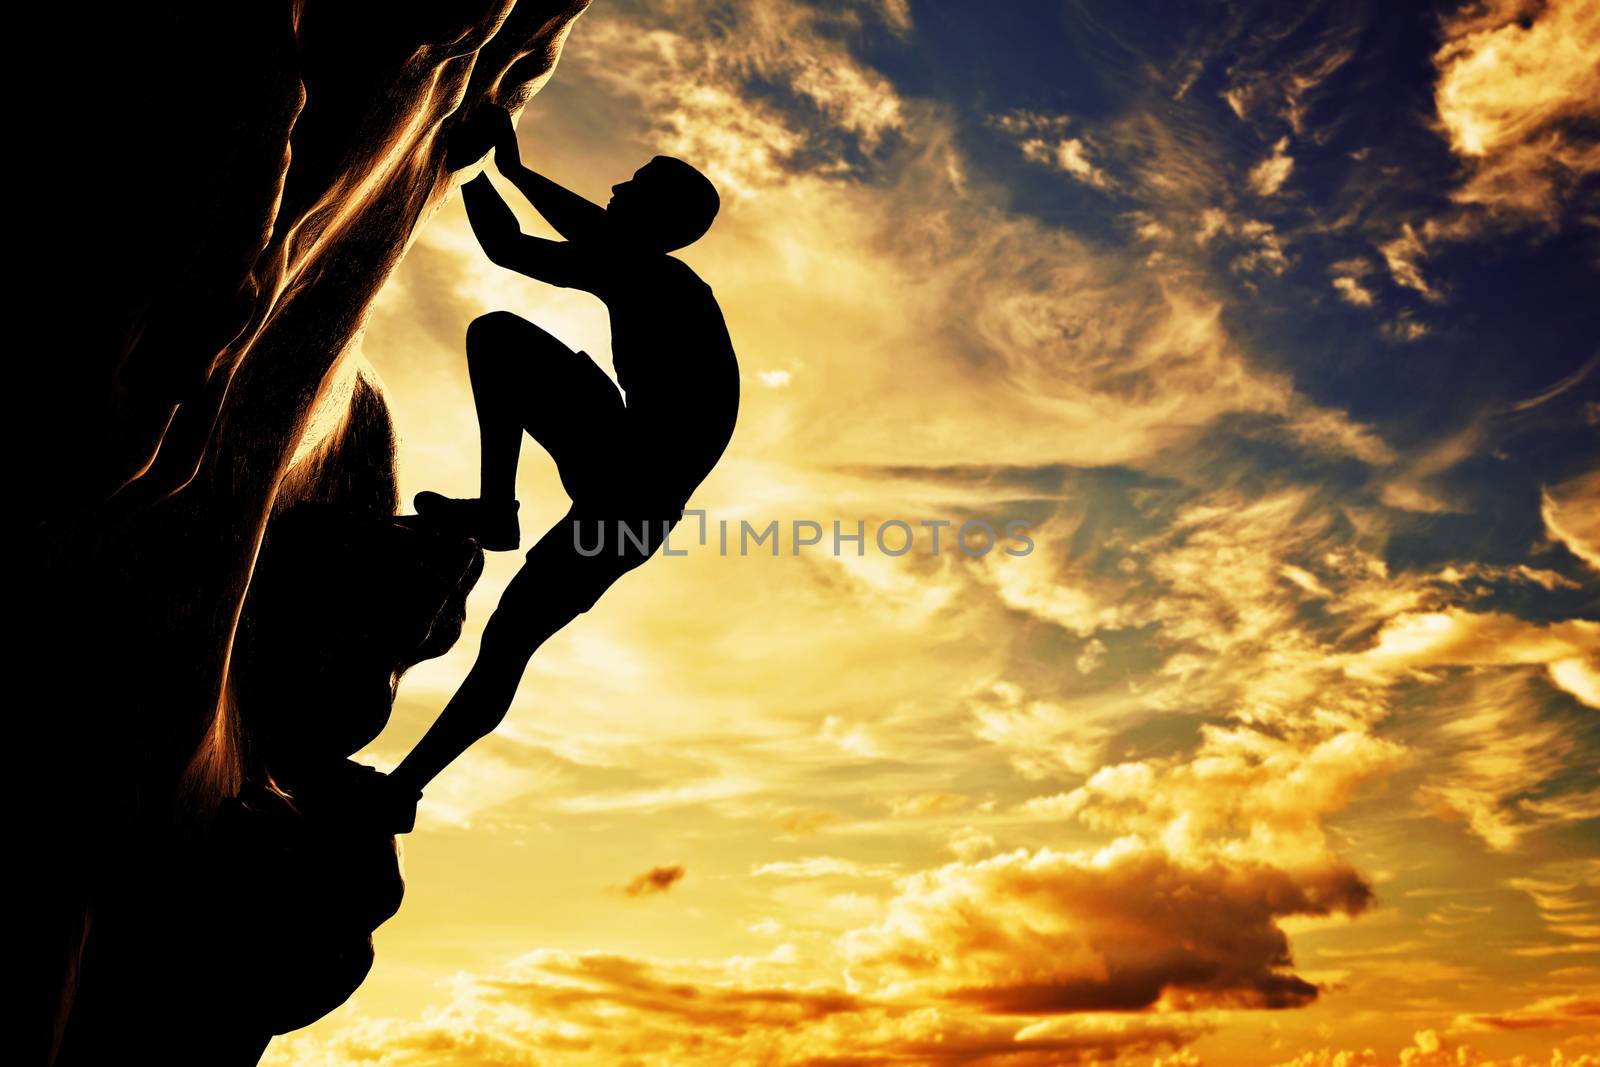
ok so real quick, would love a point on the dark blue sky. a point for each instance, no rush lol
(1511, 311)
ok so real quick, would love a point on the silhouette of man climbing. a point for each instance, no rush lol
(628, 460)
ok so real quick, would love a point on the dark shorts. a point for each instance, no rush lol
(632, 463)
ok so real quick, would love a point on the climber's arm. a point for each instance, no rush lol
(572, 216)
(503, 241)
(569, 214)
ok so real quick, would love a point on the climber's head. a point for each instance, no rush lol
(665, 205)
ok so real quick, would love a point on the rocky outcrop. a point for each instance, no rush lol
(223, 190)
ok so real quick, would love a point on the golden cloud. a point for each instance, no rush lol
(1417, 640)
(1042, 738)
(1514, 78)
(1244, 794)
(1404, 257)
(1493, 750)
(1429, 1049)
(655, 880)
(1268, 176)
(1571, 513)
(1516, 97)
(1070, 155)
(1567, 896)
(1542, 1014)
(1122, 929)
(602, 1009)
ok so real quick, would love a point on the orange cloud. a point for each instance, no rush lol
(1404, 257)
(1567, 901)
(1422, 639)
(1492, 750)
(602, 1009)
(655, 880)
(1268, 176)
(1070, 155)
(1429, 1049)
(927, 804)
(1514, 78)
(1123, 929)
(800, 822)
(823, 867)
(1542, 1014)
(1517, 95)
(1571, 513)
(1243, 793)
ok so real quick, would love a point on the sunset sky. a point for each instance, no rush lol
(1275, 323)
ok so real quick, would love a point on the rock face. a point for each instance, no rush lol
(221, 191)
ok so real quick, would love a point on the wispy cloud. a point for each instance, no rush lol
(1571, 513)
(1268, 176)
(1515, 84)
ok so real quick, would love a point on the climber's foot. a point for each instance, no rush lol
(491, 523)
